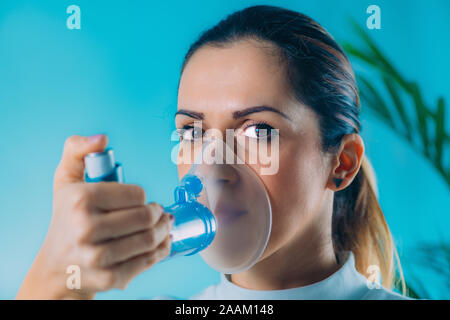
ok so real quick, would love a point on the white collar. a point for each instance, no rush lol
(345, 283)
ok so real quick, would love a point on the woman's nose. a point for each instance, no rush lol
(217, 169)
(224, 175)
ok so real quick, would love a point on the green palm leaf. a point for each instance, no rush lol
(422, 126)
(391, 86)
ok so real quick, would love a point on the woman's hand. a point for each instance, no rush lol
(105, 229)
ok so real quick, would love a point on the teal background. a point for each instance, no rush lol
(118, 75)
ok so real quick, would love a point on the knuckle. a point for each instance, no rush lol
(155, 210)
(154, 206)
(168, 222)
(150, 260)
(108, 280)
(165, 222)
(71, 142)
(164, 249)
(84, 225)
(160, 253)
(149, 238)
(145, 215)
(167, 247)
(80, 226)
(122, 285)
(137, 192)
(81, 197)
(95, 257)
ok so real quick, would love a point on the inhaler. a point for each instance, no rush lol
(222, 210)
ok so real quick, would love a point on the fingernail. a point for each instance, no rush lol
(95, 138)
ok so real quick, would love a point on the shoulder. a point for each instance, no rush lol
(383, 294)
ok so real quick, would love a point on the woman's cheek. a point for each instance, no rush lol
(294, 191)
(282, 188)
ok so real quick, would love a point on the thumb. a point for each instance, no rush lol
(71, 166)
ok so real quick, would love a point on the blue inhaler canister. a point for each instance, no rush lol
(101, 166)
(195, 226)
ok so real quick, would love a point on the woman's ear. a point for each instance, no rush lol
(346, 162)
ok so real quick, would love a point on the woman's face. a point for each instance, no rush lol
(216, 83)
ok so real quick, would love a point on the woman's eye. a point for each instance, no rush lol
(257, 131)
(190, 133)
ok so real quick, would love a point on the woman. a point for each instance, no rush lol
(328, 230)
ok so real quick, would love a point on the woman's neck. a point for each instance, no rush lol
(282, 269)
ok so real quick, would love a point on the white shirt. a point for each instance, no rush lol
(345, 284)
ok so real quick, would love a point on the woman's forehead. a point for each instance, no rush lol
(235, 76)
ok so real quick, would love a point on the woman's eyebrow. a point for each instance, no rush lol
(236, 114)
(192, 114)
(242, 113)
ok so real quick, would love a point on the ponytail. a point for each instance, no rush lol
(359, 226)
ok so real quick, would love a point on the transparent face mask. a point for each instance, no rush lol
(240, 204)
